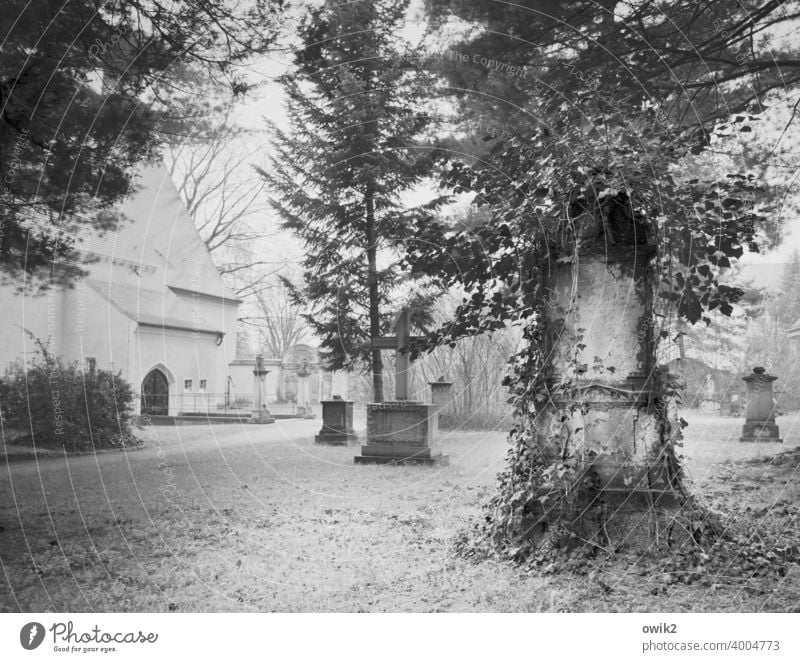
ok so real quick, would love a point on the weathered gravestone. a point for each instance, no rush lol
(604, 407)
(337, 423)
(401, 431)
(760, 412)
(260, 413)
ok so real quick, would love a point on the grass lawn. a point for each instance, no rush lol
(258, 518)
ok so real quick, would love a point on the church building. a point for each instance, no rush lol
(151, 306)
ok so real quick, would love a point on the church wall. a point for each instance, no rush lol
(160, 270)
(182, 355)
(215, 313)
(41, 315)
(92, 327)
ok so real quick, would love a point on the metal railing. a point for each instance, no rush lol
(211, 404)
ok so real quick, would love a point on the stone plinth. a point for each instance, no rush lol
(337, 423)
(401, 432)
(760, 412)
(262, 416)
(440, 394)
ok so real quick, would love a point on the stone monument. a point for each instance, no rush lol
(260, 413)
(303, 399)
(440, 393)
(401, 431)
(709, 404)
(604, 403)
(337, 423)
(759, 422)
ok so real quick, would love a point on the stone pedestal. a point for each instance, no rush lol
(337, 423)
(760, 412)
(401, 432)
(303, 398)
(440, 394)
(260, 413)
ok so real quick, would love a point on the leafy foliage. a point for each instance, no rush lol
(588, 153)
(61, 406)
(698, 63)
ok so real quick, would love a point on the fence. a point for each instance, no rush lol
(219, 404)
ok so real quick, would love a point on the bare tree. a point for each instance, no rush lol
(279, 322)
(225, 199)
(476, 367)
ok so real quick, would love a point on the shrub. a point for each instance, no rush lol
(56, 406)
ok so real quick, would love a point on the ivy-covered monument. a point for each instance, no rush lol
(588, 254)
(600, 220)
(603, 443)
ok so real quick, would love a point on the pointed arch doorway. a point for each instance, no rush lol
(155, 393)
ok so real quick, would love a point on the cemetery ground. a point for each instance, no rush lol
(258, 518)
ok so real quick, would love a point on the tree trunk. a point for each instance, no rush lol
(681, 344)
(372, 283)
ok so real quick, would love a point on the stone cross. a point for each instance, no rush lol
(399, 341)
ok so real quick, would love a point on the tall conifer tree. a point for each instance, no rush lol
(355, 145)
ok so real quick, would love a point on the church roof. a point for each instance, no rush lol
(155, 245)
(153, 264)
(160, 308)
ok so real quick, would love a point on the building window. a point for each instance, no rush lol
(187, 384)
(202, 387)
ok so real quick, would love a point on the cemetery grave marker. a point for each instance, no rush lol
(759, 422)
(401, 431)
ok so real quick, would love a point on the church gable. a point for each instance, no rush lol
(154, 267)
(155, 244)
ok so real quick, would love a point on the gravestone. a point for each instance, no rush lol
(337, 423)
(709, 403)
(401, 431)
(604, 403)
(260, 413)
(759, 422)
